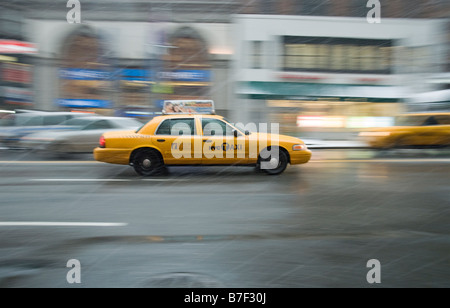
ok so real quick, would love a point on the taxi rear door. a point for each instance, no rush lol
(175, 138)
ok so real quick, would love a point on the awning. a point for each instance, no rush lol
(432, 97)
(17, 47)
(307, 90)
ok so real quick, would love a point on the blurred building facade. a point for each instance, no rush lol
(16, 69)
(333, 73)
(132, 54)
(127, 55)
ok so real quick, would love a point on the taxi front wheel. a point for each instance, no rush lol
(147, 163)
(273, 165)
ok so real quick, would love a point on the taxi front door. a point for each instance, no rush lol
(221, 144)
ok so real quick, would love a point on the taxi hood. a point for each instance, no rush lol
(275, 137)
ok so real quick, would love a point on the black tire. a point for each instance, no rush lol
(283, 161)
(148, 162)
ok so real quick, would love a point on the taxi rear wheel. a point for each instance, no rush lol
(148, 162)
(273, 165)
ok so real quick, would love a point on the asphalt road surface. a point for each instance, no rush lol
(316, 225)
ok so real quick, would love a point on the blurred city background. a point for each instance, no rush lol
(320, 68)
(317, 67)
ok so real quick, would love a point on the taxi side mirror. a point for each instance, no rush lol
(235, 133)
(247, 133)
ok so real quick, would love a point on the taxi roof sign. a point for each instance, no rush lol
(188, 107)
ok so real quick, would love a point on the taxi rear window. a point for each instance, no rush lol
(176, 127)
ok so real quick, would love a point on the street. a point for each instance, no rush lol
(316, 225)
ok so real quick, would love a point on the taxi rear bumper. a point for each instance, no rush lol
(112, 156)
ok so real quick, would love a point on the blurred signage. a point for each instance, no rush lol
(8, 58)
(17, 96)
(162, 88)
(188, 107)
(185, 75)
(17, 47)
(133, 74)
(84, 103)
(15, 72)
(84, 74)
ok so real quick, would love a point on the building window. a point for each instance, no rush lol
(318, 54)
(256, 54)
(311, 7)
(268, 7)
(134, 86)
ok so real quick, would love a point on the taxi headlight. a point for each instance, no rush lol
(374, 134)
(299, 147)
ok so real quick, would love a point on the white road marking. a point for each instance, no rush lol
(79, 180)
(105, 180)
(60, 224)
(400, 160)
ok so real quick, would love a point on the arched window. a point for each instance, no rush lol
(188, 50)
(186, 68)
(85, 75)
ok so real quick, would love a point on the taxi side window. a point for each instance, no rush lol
(443, 119)
(164, 128)
(214, 127)
(177, 127)
(430, 121)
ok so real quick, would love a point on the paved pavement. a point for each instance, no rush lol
(316, 225)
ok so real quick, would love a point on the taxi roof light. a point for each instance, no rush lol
(188, 107)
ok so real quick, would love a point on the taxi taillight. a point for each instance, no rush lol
(102, 142)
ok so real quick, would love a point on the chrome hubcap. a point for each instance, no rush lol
(146, 163)
(273, 162)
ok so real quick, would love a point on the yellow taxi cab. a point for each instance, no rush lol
(412, 130)
(186, 135)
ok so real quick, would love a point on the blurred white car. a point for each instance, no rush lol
(20, 124)
(80, 136)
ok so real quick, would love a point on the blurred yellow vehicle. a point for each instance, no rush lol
(412, 130)
(198, 139)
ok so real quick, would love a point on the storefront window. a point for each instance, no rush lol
(15, 84)
(16, 73)
(331, 114)
(135, 86)
(318, 54)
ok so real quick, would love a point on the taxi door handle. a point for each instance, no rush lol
(161, 140)
(207, 140)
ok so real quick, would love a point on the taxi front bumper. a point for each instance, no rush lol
(300, 157)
